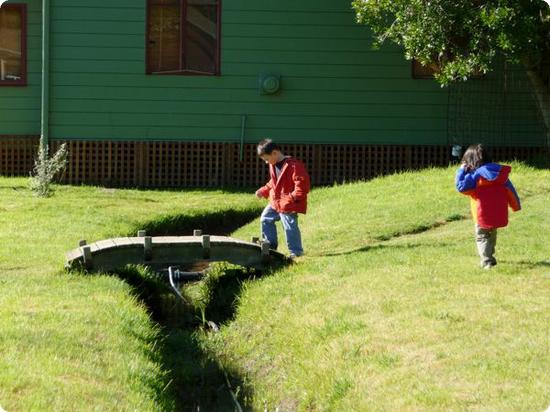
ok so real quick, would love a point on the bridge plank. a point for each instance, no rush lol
(110, 254)
(102, 245)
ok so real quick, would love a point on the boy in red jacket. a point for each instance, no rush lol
(287, 191)
(491, 193)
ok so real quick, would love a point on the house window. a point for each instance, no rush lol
(183, 37)
(13, 59)
(420, 71)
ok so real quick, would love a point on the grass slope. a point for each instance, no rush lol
(74, 343)
(389, 309)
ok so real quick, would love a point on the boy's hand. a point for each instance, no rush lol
(258, 194)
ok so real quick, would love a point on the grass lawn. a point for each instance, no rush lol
(71, 342)
(387, 311)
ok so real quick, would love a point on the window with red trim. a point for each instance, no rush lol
(419, 71)
(183, 37)
(13, 36)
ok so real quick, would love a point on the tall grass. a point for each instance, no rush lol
(70, 342)
(389, 309)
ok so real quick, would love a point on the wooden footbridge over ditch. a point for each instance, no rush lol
(165, 251)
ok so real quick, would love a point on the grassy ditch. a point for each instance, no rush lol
(389, 309)
(77, 342)
(196, 380)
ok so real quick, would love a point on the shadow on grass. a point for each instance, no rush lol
(194, 380)
(369, 248)
(14, 187)
(219, 223)
(530, 265)
(377, 246)
(385, 238)
(421, 228)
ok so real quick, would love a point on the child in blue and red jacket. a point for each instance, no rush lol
(287, 191)
(491, 193)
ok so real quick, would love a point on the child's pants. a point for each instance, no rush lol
(486, 240)
(290, 226)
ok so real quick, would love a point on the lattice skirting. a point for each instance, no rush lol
(204, 164)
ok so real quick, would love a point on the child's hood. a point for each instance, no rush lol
(494, 173)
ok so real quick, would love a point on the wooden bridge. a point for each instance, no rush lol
(164, 251)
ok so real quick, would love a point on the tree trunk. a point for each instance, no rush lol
(542, 92)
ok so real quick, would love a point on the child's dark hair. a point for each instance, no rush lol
(267, 146)
(475, 156)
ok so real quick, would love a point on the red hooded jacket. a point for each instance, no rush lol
(491, 194)
(288, 193)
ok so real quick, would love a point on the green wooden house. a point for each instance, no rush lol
(177, 93)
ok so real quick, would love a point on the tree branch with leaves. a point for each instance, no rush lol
(464, 37)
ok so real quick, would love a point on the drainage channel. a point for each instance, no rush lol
(175, 296)
(176, 276)
(196, 381)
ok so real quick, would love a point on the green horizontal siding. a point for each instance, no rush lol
(498, 110)
(202, 133)
(20, 105)
(335, 88)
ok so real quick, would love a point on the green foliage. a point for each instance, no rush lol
(462, 37)
(46, 168)
(215, 298)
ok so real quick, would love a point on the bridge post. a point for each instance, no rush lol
(265, 245)
(147, 247)
(197, 232)
(82, 242)
(87, 255)
(206, 246)
(141, 233)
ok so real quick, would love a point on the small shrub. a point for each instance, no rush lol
(45, 169)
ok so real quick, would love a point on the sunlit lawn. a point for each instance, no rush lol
(70, 342)
(388, 310)
(374, 318)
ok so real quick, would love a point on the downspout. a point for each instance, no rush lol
(45, 103)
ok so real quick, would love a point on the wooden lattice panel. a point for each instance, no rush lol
(425, 156)
(511, 153)
(17, 154)
(96, 162)
(248, 170)
(208, 164)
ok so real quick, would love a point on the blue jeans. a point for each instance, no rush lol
(290, 226)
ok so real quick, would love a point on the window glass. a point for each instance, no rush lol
(200, 48)
(164, 36)
(424, 72)
(427, 72)
(12, 60)
(183, 36)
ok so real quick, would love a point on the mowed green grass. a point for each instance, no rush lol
(70, 342)
(389, 309)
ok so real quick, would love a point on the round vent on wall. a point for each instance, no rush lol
(270, 83)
